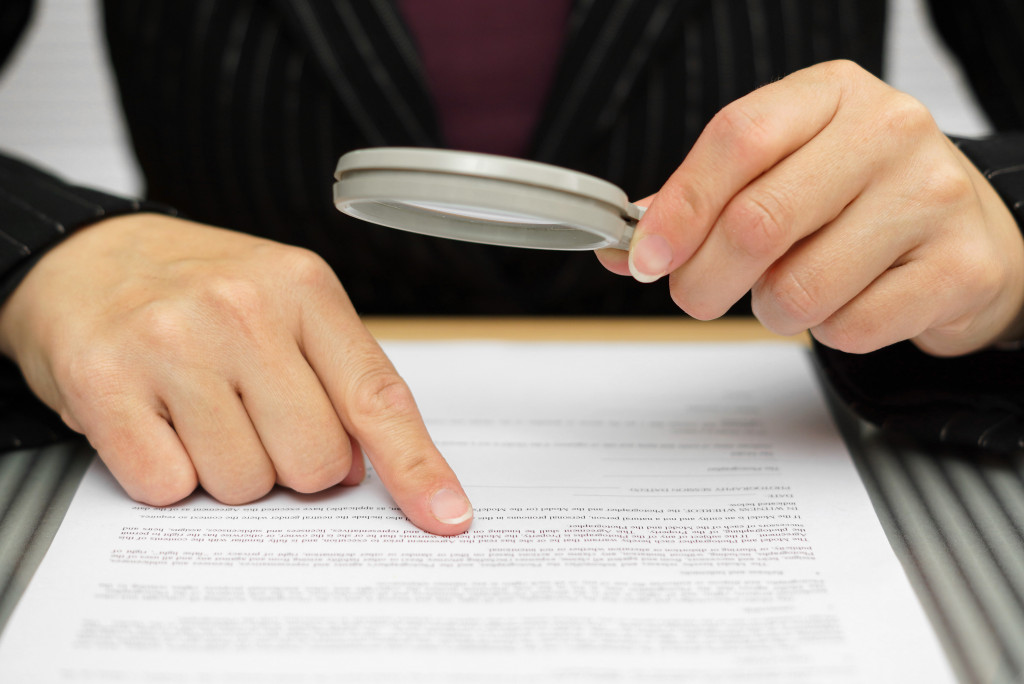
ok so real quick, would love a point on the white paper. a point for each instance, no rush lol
(644, 513)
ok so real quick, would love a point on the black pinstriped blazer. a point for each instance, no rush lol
(238, 110)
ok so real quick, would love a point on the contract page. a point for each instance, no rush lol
(644, 513)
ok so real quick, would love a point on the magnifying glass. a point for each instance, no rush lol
(484, 198)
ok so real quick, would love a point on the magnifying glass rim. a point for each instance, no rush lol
(395, 199)
(483, 165)
(399, 173)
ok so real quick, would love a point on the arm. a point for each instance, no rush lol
(38, 211)
(974, 400)
(190, 355)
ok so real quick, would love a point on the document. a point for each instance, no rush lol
(644, 513)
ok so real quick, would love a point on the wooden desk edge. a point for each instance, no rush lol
(575, 329)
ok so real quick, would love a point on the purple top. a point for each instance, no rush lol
(489, 66)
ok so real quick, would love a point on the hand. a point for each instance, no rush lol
(193, 355)
(839, 204)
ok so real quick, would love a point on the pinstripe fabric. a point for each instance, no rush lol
(36, 209)
(973, 401)
(998, 160)
(362, 69)
(957, 526)
(991, 33)
(14, 17)
(36, 198)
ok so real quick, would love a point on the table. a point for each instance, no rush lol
(955, 521)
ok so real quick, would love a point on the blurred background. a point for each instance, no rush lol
(58, 106)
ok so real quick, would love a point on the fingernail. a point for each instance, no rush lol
(450, 507)
(650, 258)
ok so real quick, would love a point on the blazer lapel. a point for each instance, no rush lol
(371, 63)
(368, 57)
(609, 43)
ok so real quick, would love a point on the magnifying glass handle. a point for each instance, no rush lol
(627, 237)
(636, 212)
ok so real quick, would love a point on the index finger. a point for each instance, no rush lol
(378, 409)
(745, 139)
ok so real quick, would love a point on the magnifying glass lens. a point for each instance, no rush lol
(475, 213)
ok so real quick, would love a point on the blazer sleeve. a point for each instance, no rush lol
(14, 16)
(987, 37)
(974, 401)
(37, 210)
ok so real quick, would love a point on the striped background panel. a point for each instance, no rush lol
(956, 524)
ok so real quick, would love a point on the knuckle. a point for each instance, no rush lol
(954, 329)
(176, 328)
(991, 282)
(254, 487)
(961, 264)
(380, 394)
(95, 372)
(743, 129)
(69, 419)
(755, 224)
(163, 488)
(905, 116)
(686, 198)
(314, 480)
(974, 275)
(315, 475)
(976, 267)
(415, 467)
(853, 335)
(692, 299)
(842, 70)
(306, 267)
(786, 303)
(166, 326)
(946, 186)
(702, 310)
(147, 472)
(238, 298)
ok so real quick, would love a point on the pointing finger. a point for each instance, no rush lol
(378, 410)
